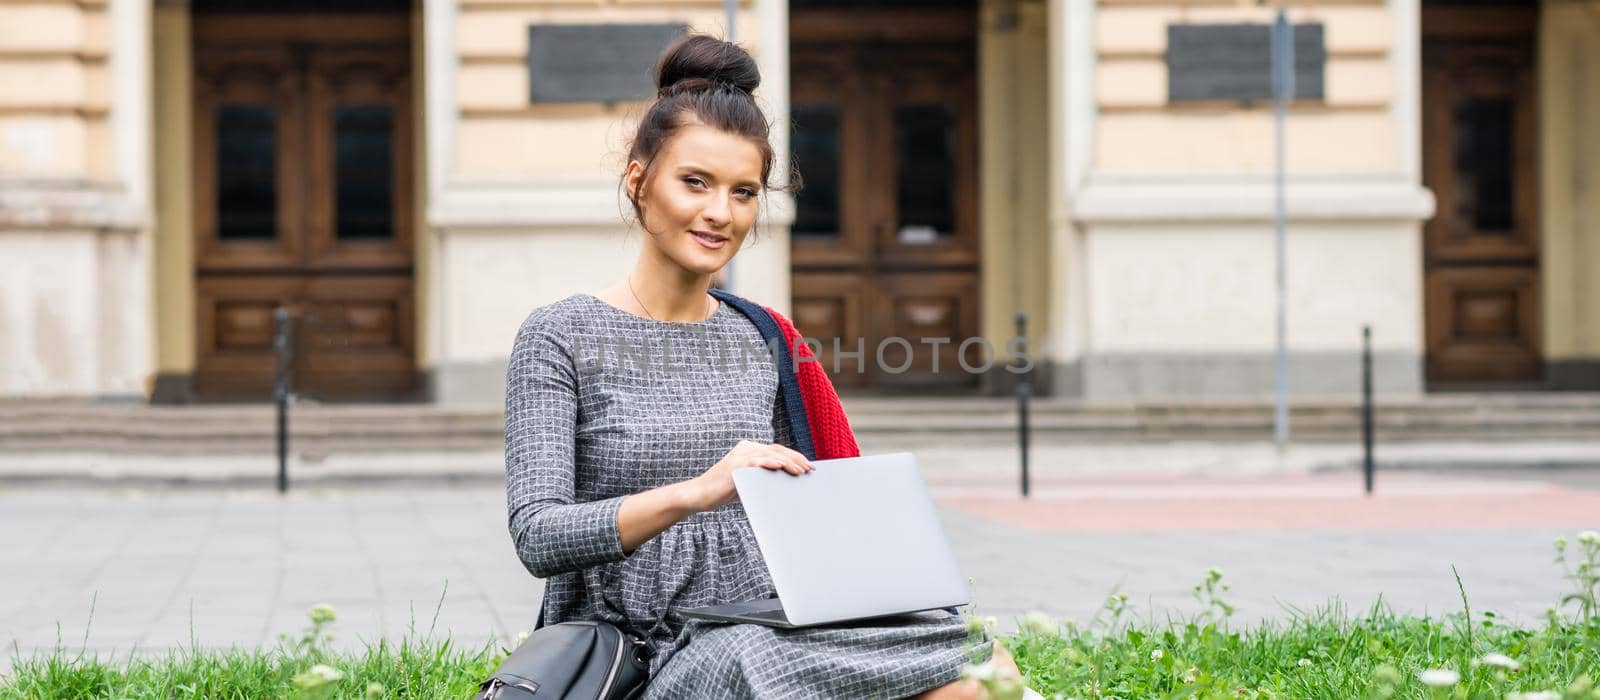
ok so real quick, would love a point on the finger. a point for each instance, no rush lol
(791, 466)
(776, 463)
(793, 455)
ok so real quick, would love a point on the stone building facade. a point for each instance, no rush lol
(411, 178)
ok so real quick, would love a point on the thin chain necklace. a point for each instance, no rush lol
(647, 309)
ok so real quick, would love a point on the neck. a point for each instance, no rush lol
(669, 292)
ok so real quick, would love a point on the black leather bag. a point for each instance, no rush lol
(584, 660)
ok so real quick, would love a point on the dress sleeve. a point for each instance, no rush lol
(552, 534)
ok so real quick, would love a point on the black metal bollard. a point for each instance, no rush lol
(1024, 394)
(1367, 464)
(283, 347)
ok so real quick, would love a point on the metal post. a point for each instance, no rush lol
(1282, 92)
(1024, 394)
(1368, 467)
(283, 347)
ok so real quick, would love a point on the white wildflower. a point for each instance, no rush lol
(999, 682)
(1303, 663)
(317, 676)
(1439, 677)
(1038, 623)
(1589, 537)
(981, 672)
(322, 612)
(1498, 659)
(1156, 654)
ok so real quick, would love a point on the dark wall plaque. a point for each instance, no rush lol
(595, 62)
(1234, 62)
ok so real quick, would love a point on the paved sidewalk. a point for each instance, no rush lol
(992, 458)
(237, 567)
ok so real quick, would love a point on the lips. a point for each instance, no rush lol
(709, 240)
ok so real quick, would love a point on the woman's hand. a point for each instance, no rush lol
(715, 486)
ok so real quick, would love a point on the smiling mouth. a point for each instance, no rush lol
(707, 237)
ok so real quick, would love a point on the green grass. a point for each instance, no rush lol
(1327, 653)
(425, 669)
(1322, 655)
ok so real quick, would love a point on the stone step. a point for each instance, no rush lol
(75, 426)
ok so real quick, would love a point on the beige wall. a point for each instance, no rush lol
(1569, 71)
(55, 95)
(74, 320)
(422, 248)
(174, 233)
(500, 135)
(1139, 132)
(1345, 276)
(1163, 277)
(1014, 183)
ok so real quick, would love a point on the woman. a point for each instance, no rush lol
(619, 471)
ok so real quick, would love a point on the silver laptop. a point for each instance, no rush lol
(856, 538)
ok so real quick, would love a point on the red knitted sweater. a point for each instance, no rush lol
(831, 436)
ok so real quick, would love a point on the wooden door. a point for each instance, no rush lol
(303, 181)
(1481, 250)
(885, 242)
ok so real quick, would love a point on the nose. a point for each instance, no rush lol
(719, 210)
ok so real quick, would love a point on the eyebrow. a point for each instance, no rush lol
(702, 171)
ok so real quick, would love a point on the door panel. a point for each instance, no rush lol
(248, 134)
(933, 311)
(886, 246)
(1481, 251)
(357, 338)
(829, 306)
(236, 330)
(359, 167)
(303, 200)
(929, 152)
(1480, 322)
(829, 104)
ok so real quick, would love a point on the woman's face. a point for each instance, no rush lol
(701, 200)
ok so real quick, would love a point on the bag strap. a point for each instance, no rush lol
(788, 380)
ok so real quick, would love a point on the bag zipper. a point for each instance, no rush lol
(616, 664)
(495, 684)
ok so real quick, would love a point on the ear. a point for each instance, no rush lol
(634, 179)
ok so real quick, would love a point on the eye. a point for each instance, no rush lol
(746, 192)
(694, 181)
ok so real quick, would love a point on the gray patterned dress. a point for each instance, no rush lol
(589, 422)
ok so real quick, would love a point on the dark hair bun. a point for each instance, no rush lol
(701, 62)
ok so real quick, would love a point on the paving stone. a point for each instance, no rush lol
(248, 565)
